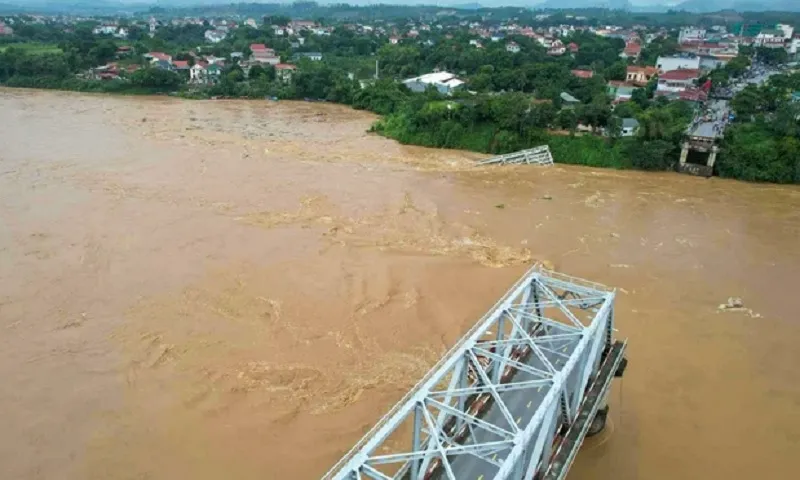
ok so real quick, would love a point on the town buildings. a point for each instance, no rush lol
(260, 53)
(666, 64)
(445, 82)
(639, 76)
(674, 82)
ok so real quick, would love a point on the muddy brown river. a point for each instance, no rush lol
(214, 290)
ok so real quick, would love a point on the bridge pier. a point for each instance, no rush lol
(698, 144)
(712, 157)
(684, 152)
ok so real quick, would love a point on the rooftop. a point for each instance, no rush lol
(645, 70)
(630, 122)
(583, 73)
(685, 74)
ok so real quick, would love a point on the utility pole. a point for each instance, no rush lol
(376, 68)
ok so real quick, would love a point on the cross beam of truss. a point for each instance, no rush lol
(495, 404)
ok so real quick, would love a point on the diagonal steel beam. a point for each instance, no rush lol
(493, 392)
(374, 474)
(549, 321)
(487, 447)
(472, 420)
(546, 290)
(503, 387)
(513, 363)
(445, 462)
(535, 349)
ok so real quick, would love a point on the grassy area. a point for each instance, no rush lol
(33, 47)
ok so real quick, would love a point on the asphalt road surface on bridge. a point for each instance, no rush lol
(522, 404)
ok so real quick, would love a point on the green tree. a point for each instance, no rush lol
(772, 56)
(652, 154)
(746, 103)
(156, 79)
(737, 66)
(617, 71)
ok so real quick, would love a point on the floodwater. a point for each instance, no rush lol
(239, 290)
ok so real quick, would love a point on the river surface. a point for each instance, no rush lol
(233, 289)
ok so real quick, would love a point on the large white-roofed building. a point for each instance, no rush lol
(443, 81)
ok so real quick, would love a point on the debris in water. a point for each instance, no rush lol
(735, 304)
(500, 205)
(547, 197)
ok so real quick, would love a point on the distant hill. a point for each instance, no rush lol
(703, 6)
(466, 6)
(612, 4)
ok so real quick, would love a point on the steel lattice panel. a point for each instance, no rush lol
(495, 403)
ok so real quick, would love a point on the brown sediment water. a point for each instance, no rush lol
(240, 290)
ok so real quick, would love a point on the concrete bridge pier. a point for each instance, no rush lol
(698, 168)
(684, 152)
(712, 157)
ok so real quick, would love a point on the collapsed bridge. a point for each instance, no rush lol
(513, 399)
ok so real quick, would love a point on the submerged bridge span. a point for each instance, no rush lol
(513, 399)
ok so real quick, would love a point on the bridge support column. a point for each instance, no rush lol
(684, 152)
(712, 157)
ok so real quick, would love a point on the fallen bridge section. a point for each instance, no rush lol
(536, 156)
(513, 399)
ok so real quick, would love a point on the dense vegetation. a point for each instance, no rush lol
(764, 144)
(515, 100)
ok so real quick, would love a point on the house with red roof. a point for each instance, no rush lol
(696, 95)
(158, 56)
(263, 54)
(181, 65)
(632, 50)
(640, 75)
(573, 47)
(284, 71)
(674, 82)
(582, 73)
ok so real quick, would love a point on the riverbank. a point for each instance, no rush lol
(412, 120)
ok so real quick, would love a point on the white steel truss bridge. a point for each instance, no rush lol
(513, 399)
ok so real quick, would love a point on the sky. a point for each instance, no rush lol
(486, 3)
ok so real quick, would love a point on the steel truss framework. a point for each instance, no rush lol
(497, 403)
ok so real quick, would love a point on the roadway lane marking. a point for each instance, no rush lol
(519, 419)
(480, 477)
(529, 403)
(539, 389)
(494, 457)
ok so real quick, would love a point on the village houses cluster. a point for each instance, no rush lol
(207, 69)
(700, 50)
